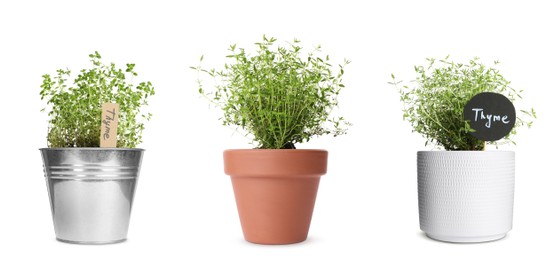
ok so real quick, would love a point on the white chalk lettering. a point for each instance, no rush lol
(477, 110)
(479, 113)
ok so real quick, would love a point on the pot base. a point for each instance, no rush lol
(92, 242)
(270, 243)
(453, 239)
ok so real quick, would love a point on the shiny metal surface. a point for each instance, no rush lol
(91, 192)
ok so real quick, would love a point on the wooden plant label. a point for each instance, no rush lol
(491, 115)
(109, 125)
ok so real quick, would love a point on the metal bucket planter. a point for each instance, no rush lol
(466, 196)
(91, 192)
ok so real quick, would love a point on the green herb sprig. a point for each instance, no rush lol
(75, 110)
(276, 95)
(434, 105)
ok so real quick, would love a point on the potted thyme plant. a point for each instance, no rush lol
(91, 188)
(279, 99)
(465, 194)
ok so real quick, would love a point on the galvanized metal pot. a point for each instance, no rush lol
(91, 192)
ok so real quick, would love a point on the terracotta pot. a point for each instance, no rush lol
(275, 191)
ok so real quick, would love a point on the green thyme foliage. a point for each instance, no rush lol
(75, 111)
(434, 105)
(276, 95)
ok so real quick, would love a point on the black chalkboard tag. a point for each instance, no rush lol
(492, 115)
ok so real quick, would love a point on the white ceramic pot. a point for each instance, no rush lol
(466, 196)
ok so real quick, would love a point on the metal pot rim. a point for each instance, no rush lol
(91, 149)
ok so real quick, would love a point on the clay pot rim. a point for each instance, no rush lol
(275, 162)
(258, 150)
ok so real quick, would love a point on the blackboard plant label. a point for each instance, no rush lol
(491, 116)
(280, 97)
(465, 194)
(91, 164)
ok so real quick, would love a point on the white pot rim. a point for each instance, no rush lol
(467, 152)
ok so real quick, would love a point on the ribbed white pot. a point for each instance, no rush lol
(466, 196)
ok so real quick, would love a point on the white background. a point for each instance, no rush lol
(184, 206)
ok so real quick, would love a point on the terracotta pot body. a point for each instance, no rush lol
(275, 191)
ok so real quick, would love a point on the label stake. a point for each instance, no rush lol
(109, 125)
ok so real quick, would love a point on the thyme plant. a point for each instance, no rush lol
(75, 110)
(279, 95)
(434, 105)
